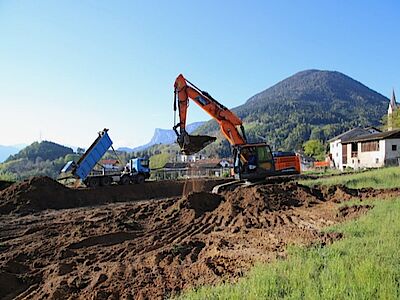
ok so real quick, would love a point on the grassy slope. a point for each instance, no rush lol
(363, 265)
(379, 178)
(159, 160)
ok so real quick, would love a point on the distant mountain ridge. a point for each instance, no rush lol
(310, 104)
(162, 136)
(38, 159)
(6, 151)
(46, 150)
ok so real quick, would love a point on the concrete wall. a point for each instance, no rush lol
(335, 149)
(368, 159)
(392, 157)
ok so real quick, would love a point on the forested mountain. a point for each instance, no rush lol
(44, 151)
(44, 158)
(311, 104)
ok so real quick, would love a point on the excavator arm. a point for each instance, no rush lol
(227, 120)
(252, 161)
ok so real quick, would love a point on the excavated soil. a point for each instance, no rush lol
(153, 249)
(40, 193)
(5, 184)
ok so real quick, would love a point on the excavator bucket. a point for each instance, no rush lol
(195, 143)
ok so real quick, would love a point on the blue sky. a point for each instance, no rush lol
(70, 68)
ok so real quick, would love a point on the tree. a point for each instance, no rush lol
(314, 148)
(393, 122)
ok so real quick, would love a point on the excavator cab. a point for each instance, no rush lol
(253, 161)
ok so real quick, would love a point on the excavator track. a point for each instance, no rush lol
(245, 183)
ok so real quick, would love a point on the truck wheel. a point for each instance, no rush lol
(105, 181)
(140, 178)
(124, 180)
(93, 182)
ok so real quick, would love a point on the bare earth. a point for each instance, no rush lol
(149, 241)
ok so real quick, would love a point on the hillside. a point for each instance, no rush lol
(44, 158)
(311, 104)
(44, 150)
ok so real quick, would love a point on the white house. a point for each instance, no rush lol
(372, 150)
(335, 145)
(368, 147)
(110, 164)
(189, 158)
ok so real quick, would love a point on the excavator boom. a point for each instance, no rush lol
(252, 161)
(227, 120)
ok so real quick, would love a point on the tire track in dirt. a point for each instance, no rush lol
(153, 249)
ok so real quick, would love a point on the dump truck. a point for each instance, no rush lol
(135, 171)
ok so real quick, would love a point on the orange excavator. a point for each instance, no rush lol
(252, 161)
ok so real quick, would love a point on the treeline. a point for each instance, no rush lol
(38, 159)
(42, 151)
(48, 158)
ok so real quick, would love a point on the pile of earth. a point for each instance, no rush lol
(41, 193)
(5, 184)
(34, 194)
(155, 249)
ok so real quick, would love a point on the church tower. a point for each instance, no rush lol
(392, 107)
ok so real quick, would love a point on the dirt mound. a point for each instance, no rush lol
(353, 210)
(41, 193)
(35, 194)
(273, 197)
(155, 249)
(5, 184)
(199, 202)
(339, 193)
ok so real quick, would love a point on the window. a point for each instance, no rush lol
(394, 147)
(344, 154)
(369, 146)
(354, 150)
(377, 161)
(263, 154)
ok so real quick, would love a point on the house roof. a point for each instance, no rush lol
(109, 161)
(369, 128)
(349, 134)
(175, 165)
(208, 163)
(393, 134)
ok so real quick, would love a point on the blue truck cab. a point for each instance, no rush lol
(140, 165)
(138, 168)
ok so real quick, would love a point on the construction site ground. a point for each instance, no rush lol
(155, 240)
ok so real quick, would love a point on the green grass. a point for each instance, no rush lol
(7, 176)
(379, 178)
(323, 172)
(159, 160)
(363, 265)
